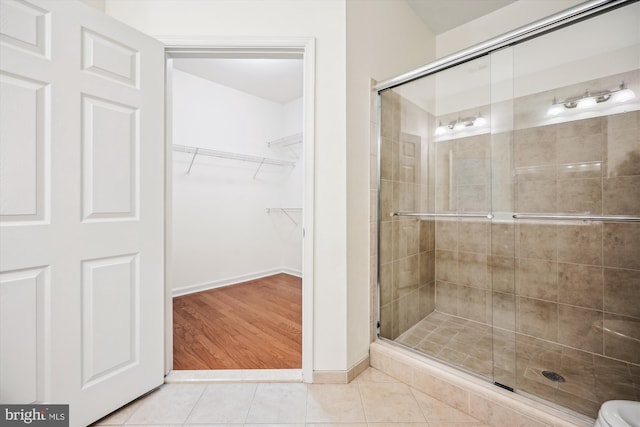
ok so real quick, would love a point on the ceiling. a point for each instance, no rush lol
(280, 80)
(443, 15)
(277, 80)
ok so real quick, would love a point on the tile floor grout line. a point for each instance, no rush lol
(246, 416)
(364, 413)
(184, 423)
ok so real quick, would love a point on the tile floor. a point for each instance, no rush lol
(519, 361)
(373, 399)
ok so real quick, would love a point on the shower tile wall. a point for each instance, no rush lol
(407, 252)
(578, 283)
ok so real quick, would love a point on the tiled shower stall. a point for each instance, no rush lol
(482, 263)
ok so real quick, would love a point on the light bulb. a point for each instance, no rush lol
(440, 130)
(480, 121)
(586, 102)
(459, 125)
(555, 109)
(623, 95)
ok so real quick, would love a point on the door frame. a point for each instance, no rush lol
(212, 46)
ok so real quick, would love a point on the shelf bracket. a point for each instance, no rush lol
(195, 153)
(258, 170)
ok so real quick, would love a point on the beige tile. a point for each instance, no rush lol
(408, 241)
(473, 269)
(334, 403)
(502, 239)
(474, 198)
(120, 416)
(472, 303)
(622, 338)
(623, 155)
(537, 241)
(372, 375)
(437, 411)
(317, 425)
(394, 368)
(447, 234)
(580, 196)
(576, 328)
(278, 403)
(496, 415)
(504, 310)
(386, 242)
(427, 299)
(386, 283)
(264, 425)
(447, 266)
(386, 200)
(386, 158)
(442, 390)
(409, 307)
(407, 275)
(536, 196)
(580, 285)
(386, 321)
(621, 195)
(580, 244)
(474, 236)
(578, 404)
(447, 297)
(427, 267)
(621, 245)
(389, 402)
(538, 318)
(535, 146)
(223, 403)
(537, 279)
(583, 127)
(171, 404)
(622, 291)
(502, 273)
(580, 148)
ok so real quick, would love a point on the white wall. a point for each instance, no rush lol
(503, 20)
(324, 20)
(384, 38)
(222, 232)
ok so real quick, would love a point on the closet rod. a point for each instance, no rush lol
(233, 156)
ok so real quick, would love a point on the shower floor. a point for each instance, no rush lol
(519, 360)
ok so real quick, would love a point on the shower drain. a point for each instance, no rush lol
(550, 375)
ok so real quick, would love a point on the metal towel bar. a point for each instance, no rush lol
(441, 215)
(579, 217)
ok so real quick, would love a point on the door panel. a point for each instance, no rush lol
(81, 208)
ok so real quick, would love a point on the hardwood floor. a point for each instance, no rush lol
(251, 325)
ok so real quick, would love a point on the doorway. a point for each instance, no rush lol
(237, 208)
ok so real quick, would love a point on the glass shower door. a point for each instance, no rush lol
(435, 210)
(576, 159)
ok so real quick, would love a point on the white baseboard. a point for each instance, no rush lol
(199, 287)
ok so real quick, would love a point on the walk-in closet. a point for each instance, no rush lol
(236, 212)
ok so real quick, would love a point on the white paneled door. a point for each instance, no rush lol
(81, 208)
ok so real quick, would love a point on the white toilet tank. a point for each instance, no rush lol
(619, 413)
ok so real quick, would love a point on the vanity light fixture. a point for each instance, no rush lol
(591, 99)
(460, 123)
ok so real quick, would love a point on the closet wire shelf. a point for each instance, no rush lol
(286, 212)
(231, 156)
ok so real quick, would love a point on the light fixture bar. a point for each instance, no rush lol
(591, 99)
